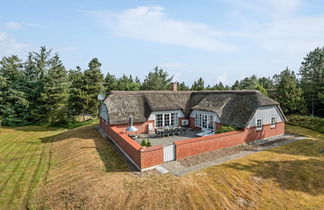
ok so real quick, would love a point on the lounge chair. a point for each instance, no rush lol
(205, 133)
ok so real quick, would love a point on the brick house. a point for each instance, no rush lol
(256, 116)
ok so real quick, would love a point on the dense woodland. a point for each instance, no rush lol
(40, 90)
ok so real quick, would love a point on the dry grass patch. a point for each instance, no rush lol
(87, 173)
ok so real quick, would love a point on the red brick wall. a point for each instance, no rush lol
(151, 156)
(188, 147)
(143, 157)
(142, 127)
(192, 124)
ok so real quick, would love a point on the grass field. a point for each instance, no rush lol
(83, 171)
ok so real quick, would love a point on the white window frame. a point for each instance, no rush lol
(204, 121)
(168, 119)
(273, 125)
(258, 128)
(211, 123)
(198, 120)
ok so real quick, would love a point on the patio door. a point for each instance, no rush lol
(204, 121)
(167, 118)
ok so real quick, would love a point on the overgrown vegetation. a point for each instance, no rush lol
(310, 122)
(224, 129)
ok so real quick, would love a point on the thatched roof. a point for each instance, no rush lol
(234, 108)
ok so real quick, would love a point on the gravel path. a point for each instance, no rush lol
(205, 160)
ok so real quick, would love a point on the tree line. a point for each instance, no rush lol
(40, 90)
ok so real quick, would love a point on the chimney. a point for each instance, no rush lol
(174, 86)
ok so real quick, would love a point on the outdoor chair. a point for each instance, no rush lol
(166, 132)
(176, 131)
(158, 132)
(171, 132)
(183, 130)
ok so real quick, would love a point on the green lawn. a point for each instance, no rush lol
(24, 161)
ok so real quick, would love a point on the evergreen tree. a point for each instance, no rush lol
(77, 93)
(128, 84)
(111, 82)
(92, 79)
(13, 103)
(183, 87)
(266, 82)
(35, 70)
(249, 83)
(198, 85)
(158, 79)
(312, 80)
(236, 85)
(55, 93)
(289, 95)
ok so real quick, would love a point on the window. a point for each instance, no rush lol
(198, 120)
(259, 124)
(174, 119)
(204, 119)
(211, 123)
(273, 122)
(167, 119)
(159, 120)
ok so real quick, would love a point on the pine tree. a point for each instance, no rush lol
(158, 79)
(111, 82)
(312, 81)
(236, 85)
(93, 77)
(55, 93)
(289, 95)
(198, 85)
(35, 70)
(77, 93)
(13, 103)
(183, 87)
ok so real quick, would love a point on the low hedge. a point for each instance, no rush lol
(224, 129)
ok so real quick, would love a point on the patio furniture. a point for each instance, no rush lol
(166, 132)
(183, 130)
(176, 131)
(159, 132)
(205, 133)
(171, 131)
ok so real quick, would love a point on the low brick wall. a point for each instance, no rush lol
(189, 147)
(142, 157)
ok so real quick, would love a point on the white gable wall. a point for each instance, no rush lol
(103, 112)
(265, 113)
(215, 116)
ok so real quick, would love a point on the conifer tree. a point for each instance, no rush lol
(158, 79)
(198, 85)
(92, 79)
(289, 95)
(13, 103)
(55, 93)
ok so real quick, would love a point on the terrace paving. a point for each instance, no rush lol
(166, 140)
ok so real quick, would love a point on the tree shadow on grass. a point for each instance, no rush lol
(109, 156)
(297, 175)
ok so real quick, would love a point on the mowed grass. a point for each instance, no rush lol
(24, 160)
(87, 173)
